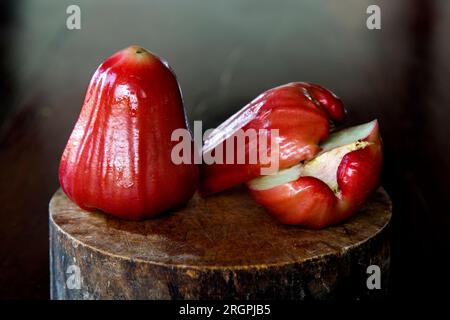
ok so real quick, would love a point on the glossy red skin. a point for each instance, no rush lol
(301, 111)
(117, 158)
(308, 201)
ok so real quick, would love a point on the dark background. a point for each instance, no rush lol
(225, 53)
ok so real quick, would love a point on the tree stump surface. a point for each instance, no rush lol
(222, 247)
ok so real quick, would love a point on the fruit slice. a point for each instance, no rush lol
(329, 188)
(118, 157)
(301, 112)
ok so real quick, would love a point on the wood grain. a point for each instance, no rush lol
(224, 246)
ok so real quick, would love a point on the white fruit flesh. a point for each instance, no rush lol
(347, 136)
(325, 165)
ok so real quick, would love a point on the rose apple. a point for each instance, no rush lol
(301, 112)
(328, 188)
(118, 157)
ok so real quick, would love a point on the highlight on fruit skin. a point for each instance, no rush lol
(118, 157)
(300, 111)
(329, 188)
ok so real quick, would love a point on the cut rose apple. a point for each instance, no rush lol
(329, 188)
(301, 112)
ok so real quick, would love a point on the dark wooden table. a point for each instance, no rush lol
(225, 53)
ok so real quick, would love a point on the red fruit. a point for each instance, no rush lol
(300, 111)
(329, 188)
(118, 157)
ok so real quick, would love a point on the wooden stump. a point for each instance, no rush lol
(223, 247)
